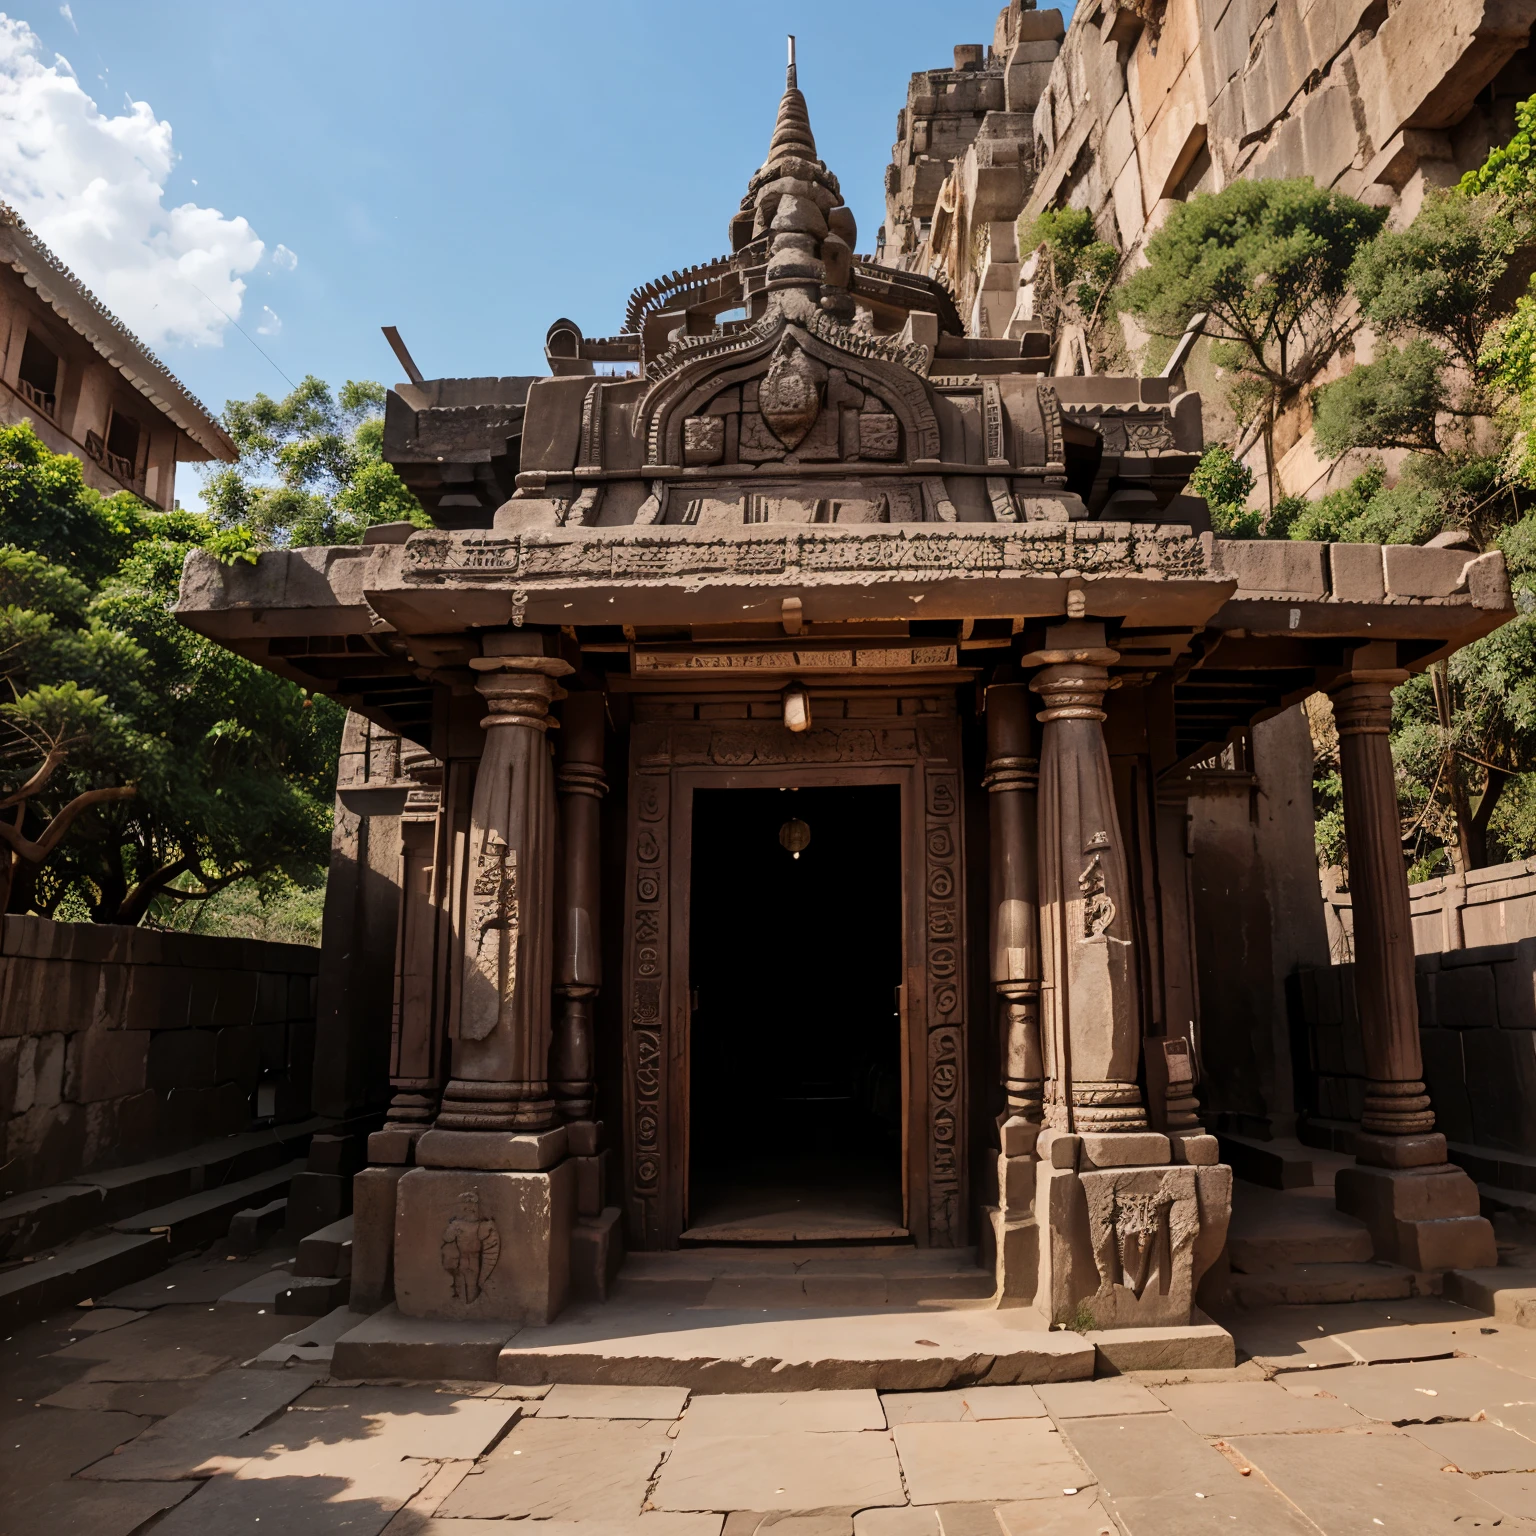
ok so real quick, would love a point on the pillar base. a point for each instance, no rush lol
(1010, 1248)
(373, 1237)
(1426, 1150)
(1422, 1218)
(495, 1151)
(484, 1246)
(597, 1251)
(1124, 1246)
(395, 1144)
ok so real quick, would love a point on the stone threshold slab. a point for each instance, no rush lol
(754, 1351)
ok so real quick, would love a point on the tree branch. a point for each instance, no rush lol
(55, 756)
(35, 852)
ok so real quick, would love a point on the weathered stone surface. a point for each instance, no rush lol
(1391, 1478)
(791, 1469)
(1003, 1459)
(230, 1405)
(507, 1236)
(1252, 1408)
(563, 1469)
(764, 1413)
(391, 1345)
(571, 1402)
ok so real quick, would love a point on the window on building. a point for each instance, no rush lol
(38, 379)
(123, 439)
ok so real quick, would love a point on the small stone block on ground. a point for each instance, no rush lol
(1195, 1346)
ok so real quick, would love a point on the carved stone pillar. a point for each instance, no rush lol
(1422, 1210)
(597, 1242)
(1092, 1036)
(501, 1046)
(1011, 780)
(1126, 1232)
(483, 1227)
(578, 966)
(417, 1035)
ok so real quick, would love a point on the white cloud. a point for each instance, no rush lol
(93, 188)
(69, 16)
(271, 323)
(282, 257)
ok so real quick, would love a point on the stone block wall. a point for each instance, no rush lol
(123, 1043)
(1477, 1028)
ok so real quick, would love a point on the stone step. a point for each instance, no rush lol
(1507, 1292)
(77, 1271)
(313, 1295)
(326, 1252)
(197, 1219)
(1274, 1164)
(1274, 1229)
(1313, 1284)
(756, 1351)
(44, 1218)
(250, 1229)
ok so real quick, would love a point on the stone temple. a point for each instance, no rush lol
(794, 713)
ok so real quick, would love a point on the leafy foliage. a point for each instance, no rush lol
(311, 468)
(1083, 265)
(1226, 483)
(1268, 263)
(1394, 402)
(1440, 277)
(232, 769)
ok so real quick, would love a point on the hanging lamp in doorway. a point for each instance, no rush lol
(794, 835)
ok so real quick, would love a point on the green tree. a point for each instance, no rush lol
(311, 468)
(1394, 402)
(1439, 278)
(1268, 262)
(140, 764)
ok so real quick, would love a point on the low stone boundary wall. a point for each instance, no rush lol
(1477, 1027)
(123, 1043)
(1496, 905)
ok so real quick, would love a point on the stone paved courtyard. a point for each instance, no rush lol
(137, 1414)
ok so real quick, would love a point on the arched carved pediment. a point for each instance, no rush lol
(873, 401)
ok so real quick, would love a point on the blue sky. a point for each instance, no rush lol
(467, 170)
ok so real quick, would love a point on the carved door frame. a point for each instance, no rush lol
(668, 764)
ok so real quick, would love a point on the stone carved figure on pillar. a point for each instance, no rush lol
(1092, 1035)
(502, 1037)
(471, 1248)
(578, 969)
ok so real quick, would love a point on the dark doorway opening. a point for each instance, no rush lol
(795, 1102)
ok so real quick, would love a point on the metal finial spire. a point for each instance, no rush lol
(789, 74)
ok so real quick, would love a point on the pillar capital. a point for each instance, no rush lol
(1362, 701)
(518, 690)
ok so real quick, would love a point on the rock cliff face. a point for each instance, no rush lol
(1142, 103)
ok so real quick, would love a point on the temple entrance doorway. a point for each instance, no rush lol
(795, 1092)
